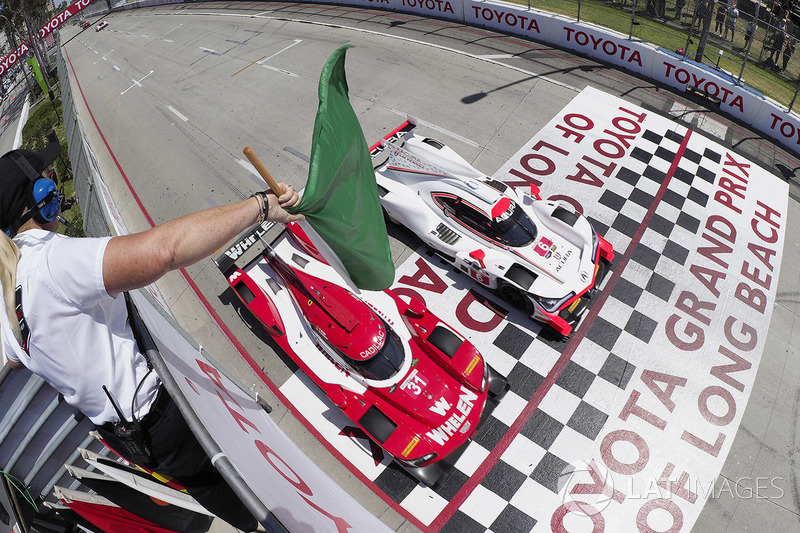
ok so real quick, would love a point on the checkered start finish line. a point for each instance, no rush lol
(626, 426)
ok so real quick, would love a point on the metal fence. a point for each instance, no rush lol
(761, 55)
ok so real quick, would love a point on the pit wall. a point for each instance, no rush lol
(663, 66)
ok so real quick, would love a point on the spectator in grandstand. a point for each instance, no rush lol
(749, 31)
(778, 38)
(720, 18)
(702, 9)
(656, 8)
(787, 53)
(679, 5)
(661, 9)
(65, 319)
(730, 22)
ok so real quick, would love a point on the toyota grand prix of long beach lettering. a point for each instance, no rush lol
(416, 386)
(542, 257)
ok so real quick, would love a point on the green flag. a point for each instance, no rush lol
(37, 72)
(340, 200)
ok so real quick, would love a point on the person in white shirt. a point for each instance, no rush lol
(65, 320)
(730, 22)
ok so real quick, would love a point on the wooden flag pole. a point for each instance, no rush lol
(262, 170)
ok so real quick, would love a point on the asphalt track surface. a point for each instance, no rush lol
(170, 96)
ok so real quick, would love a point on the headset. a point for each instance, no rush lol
(44, 198)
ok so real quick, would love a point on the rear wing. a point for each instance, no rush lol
(376, 151)
(244, 249)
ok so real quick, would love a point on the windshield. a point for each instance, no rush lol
(386, 362)
(513, 227)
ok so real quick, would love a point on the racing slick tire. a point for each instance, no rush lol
(605, 268)
(430, 475)
(498, 385)
(516, 298)
(520, 276)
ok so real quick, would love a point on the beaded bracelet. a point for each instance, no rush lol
(263, 205)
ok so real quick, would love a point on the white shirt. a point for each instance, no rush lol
(79, 338)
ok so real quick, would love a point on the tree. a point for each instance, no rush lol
(25, 17)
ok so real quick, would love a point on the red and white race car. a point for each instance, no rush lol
(542, 257)
(416, 386)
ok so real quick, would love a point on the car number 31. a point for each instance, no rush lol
(413, 383)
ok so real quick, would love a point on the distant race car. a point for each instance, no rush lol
(101, 25)
(85, 24)
(542, 257)
(416, 386)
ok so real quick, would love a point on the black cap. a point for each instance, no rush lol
(15, 184)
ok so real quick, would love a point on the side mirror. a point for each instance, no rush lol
(416, 309)
(479, 256)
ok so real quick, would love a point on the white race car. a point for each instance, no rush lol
(542, 257)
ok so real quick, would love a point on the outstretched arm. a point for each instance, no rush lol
(134, 261)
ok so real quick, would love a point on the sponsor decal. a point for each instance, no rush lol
(509, 18)
(442, 434)
(563, 260)
(9, 60)
(543, 247)
(305, 486)
(786, 128)
(441, 6)
(472, 364)
(410, 447)
(62, 17)
(440, 407)
(235, 251)
(505, 214)
(710, 87)
(376, 345)
(553, 253)
(394, 137)
(608, 47)
(413, 383)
